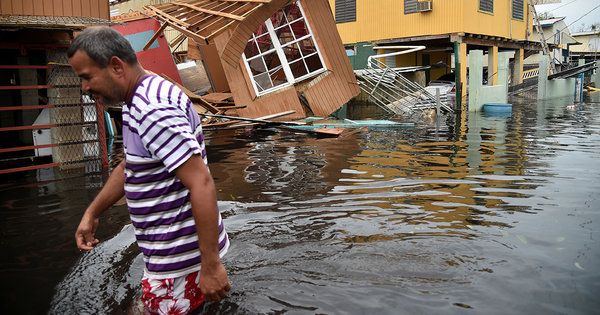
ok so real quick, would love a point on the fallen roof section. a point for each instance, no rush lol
(204, 19)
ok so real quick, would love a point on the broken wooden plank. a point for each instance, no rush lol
(218, 13)
(177, 40)
(216, 97)
(258, 120)
(255, 1)
(226, 108)
(236, 124)
(196, 99)
(322, 132)
(155, 36)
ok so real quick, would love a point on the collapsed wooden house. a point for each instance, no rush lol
(271, 55)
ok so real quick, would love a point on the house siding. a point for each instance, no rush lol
(80, 8)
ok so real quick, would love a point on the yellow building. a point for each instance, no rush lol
(445, 27)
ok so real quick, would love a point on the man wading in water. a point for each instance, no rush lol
(170, 193)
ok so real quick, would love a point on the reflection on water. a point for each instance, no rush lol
(498, 216)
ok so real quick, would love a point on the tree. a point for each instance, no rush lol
(545, 16)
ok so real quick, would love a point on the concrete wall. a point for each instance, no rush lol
(480, 94)
(548, 89)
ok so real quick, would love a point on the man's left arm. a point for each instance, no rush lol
(195, 176)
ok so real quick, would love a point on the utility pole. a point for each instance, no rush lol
(538, 28)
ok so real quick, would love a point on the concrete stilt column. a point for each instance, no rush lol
(503, 59)
(542, 78)
(517, 73)
(492, 65)
(475, 78)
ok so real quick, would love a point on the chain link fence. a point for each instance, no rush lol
(79, 132)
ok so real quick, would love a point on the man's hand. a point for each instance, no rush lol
(112, 191)
(213, 281)
(84, 236)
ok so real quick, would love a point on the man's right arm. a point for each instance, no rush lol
(113, 190)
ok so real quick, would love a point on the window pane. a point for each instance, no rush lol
(299, 28)
(251, 49)
(284, 34)
(298, 68)
(257, 66)
(264, 43)
(263, 82)
(278, 19)
(292, 11)
(292, 52)
(272, 61)
(313, 63)
(307, 46)
(278, 77)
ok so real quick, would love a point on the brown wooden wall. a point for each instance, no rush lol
(81, 8)
(340, 85)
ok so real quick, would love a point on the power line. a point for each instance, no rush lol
(561, 6)
(581, 17)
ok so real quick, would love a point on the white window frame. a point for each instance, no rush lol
(278, 48)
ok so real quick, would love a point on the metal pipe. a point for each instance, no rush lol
(409, 49)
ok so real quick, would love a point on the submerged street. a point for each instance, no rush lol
(500, 215)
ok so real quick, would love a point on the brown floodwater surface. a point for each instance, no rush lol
(498, 215)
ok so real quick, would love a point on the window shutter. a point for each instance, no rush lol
(486, 5)
(517, 9)
(410, 6)
(345, 11)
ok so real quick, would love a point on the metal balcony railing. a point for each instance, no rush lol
(397, 95)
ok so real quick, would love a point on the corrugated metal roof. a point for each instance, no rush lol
(49, 22)
(550, 22)
(586, 33)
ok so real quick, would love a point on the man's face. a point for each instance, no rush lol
(97, 81)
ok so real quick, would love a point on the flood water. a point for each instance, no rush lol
(500, 215)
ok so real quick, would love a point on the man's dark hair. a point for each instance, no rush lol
(101, 44)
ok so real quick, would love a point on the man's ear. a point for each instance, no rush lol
(116, 65)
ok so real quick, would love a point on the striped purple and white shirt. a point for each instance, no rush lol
(161, 131)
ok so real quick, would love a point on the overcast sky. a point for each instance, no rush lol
(573, 10)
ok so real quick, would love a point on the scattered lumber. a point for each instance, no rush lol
(217, 97)
(259, 120)
(235, 123)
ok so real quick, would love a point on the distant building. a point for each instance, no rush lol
(445, 27)
(559, 40)
(589, 48)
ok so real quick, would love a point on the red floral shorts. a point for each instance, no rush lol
(173, 295)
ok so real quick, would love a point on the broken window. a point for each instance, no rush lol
(282, 51)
